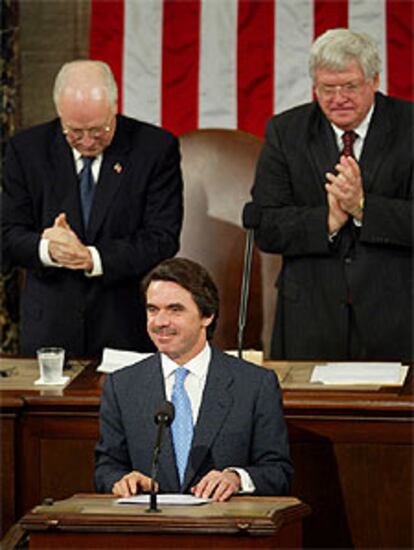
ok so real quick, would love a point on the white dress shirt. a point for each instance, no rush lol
(44, 255)
(194, 384)
(361, 133)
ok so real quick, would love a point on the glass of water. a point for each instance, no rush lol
(51, 362)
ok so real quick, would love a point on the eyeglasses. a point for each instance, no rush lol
(348, 90)
(94, 133)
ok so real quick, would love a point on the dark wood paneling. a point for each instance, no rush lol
(9, 412)
(61, 447)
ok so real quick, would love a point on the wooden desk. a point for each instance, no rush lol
(93, 521)
(10, 408)
(352, 451)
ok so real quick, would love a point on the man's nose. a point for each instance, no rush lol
(338, 93)
(86, 139)
(161, 318)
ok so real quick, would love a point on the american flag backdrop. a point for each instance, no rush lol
(187, 64)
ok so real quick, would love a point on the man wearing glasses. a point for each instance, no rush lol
(333, 192)
(92, 201)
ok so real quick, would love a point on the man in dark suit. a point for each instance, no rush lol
(92, 201)
(237, 439)
(342, 219)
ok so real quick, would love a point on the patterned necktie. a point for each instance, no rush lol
(182, 427)
(348, 139)
(87, 188)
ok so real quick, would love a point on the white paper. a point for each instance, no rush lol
(165, 500)
(115, 359)
(360, 373)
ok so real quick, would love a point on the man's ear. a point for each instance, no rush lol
(206, 321)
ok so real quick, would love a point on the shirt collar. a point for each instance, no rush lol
(78, 158)
(198, 365)
(361, 130)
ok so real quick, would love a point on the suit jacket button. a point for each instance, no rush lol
(347, 260)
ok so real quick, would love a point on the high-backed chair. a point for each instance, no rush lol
(218, 168)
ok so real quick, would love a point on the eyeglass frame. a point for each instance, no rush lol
(78, 133)
(348, 90)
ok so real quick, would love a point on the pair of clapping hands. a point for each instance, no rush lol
(65, 248)
(345, 193)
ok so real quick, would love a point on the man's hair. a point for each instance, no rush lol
(63, 78)
(336, 48)
(194, 278)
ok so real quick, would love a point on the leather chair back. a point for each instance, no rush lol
(218, 168)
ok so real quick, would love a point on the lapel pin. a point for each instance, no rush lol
(117, 167)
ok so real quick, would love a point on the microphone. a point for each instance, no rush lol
(163, 417)
(251, 220)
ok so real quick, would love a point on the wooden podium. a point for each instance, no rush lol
(97, 521)
(350, 446)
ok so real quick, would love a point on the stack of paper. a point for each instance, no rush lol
(380, 374)
(114, 359)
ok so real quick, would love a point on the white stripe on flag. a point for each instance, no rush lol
(142, 60)
(369, 16)
(293, 37)
(218, 64)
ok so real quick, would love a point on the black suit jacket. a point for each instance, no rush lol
(240, 423)
(368, 267)
(135, 223)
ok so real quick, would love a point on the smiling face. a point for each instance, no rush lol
(345, 96)
(174, 321)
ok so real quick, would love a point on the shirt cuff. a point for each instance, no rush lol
(44, 254)
(246, 483)
(97, 269)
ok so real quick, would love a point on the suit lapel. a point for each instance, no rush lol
(378, 138)
(112, 175)
(323, 151)
(216, 404)
(64, 182)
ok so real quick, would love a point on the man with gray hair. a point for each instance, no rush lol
(92, 201)
(333, 192)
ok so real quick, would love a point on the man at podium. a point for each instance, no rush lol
(228, 435)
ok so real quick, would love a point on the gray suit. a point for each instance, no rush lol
(240, 424)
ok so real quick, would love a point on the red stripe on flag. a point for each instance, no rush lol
(180, 65)
(329, 14)
(255, 65)
(106, 37)
(400, 46)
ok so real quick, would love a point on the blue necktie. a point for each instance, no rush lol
(87, 188)
(182, 426)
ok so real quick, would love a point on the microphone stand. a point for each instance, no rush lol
(245, 287)
(153, 495)
(163, 417)
(251, 220)
(154, 470)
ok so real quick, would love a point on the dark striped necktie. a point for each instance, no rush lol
(348, 139)
(87, 188)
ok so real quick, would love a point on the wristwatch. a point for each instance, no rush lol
(360, 206)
